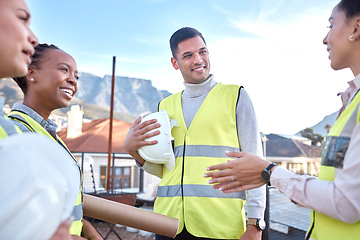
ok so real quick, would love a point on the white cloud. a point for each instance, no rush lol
(283, 65)
(285, 70)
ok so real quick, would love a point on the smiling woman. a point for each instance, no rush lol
(51, 80)
(50, 83)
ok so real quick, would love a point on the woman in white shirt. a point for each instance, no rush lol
(335, 196)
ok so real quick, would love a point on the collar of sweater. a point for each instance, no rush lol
(200, 89)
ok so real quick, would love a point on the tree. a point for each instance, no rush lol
(328, 127)
(315, 138)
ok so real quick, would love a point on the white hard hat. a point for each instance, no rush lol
(162, 152)
(39, 184)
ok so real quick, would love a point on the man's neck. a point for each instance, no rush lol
(195, 90)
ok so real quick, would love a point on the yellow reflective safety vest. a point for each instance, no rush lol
(184, 193)
(7, 127)
(33, 126)
(332, 159)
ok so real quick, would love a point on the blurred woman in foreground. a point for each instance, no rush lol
(17, 43)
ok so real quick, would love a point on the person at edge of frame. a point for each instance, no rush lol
(334, 197)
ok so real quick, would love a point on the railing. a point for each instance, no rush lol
(125, 176)
(286, 220)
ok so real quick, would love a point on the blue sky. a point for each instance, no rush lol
(273, 48)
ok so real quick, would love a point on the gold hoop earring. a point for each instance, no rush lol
(351, 38)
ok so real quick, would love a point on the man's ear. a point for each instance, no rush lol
(174, 63)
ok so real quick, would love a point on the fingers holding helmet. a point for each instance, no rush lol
(146, 129)
(138, 133)
(161, 152)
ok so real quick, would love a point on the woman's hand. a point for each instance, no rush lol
(62, 233)
(242, 173)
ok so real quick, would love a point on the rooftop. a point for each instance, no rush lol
(95, 137)
(280, 146)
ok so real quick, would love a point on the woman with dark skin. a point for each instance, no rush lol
(49, 84)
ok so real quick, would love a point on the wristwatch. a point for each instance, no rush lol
(259, 223)
(265, 174)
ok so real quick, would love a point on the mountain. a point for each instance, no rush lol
(132, 96)
(10, 91)
(319, 128)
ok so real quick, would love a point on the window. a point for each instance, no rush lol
(121, 178)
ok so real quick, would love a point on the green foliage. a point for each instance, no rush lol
(315, 138)
(328, 127)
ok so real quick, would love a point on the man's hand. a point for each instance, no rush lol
(137, 135)
(251, 233)
(241, 174)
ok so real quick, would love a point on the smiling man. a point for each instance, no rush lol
(213, 118)
(191, 56)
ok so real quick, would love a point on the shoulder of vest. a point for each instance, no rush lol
(171, 97)
(230, 86)
(21, 117)
(8, 127)
(232, 89)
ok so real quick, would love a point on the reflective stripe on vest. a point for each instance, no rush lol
(184, 193)
(334, 150)
(192, 190)
(33, 126)
(78, 212)
(203, 151)
(7, 128)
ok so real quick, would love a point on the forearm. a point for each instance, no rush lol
(248, 130)
(312, 193)
(249, 138)
(139, 160)
(153, 168)
(255, 202)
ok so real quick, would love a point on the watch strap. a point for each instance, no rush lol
(252, 221)
(259, 223)
(270, 166)
(266, 173)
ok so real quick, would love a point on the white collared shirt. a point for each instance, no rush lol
(339, 199)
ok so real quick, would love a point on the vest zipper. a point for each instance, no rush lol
(182, 180)
(182, 172)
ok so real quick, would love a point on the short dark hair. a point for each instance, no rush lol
(350, 7)
(36, 60)
(181, 35)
